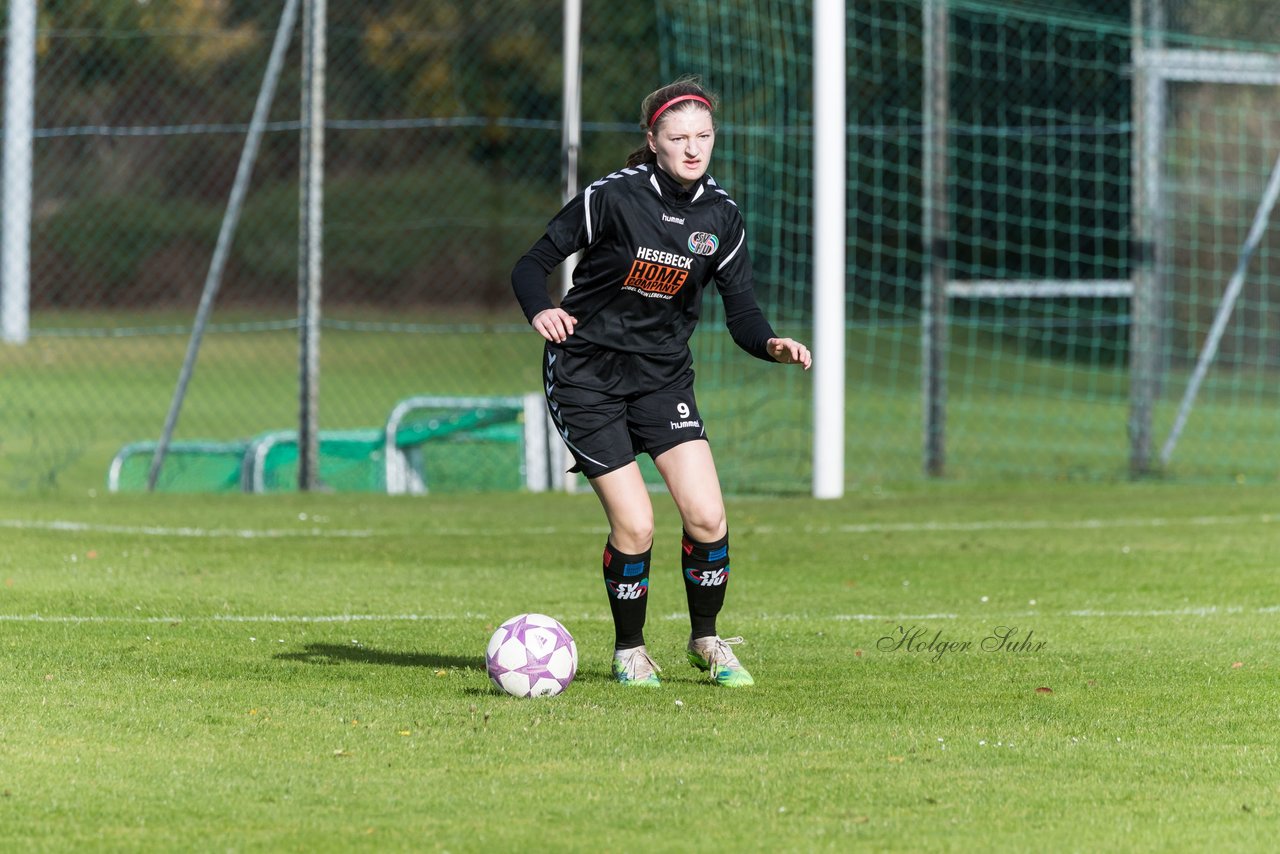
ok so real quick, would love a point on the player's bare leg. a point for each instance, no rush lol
(625, 498)
(690, 474)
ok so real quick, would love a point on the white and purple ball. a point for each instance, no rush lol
(532, 655)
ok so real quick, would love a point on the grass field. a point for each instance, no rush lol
(69, 402)
(306, 673)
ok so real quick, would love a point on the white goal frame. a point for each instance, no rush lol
(543, 455)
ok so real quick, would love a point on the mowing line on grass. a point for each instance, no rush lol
(553, 530)
(239, 618)
(1035, 525)
(899, 528)
(154, 531)
(924, 527)
(1202, 611)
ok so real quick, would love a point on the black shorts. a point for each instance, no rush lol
(610, 406)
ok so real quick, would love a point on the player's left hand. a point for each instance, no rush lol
(788, 351)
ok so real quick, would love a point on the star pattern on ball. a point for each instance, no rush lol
(537, 651)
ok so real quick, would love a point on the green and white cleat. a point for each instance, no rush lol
(713, 656)
(635, 667)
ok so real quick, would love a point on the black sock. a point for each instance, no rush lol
(706, 575)
(626, 577)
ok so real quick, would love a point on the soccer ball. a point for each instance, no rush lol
(532, 655)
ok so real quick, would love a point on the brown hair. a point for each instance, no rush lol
(686, 86)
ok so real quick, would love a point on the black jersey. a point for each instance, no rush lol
(650, 247)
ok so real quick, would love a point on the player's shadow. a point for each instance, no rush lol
(336, 653)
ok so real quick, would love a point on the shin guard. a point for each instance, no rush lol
(706, 575)
(626, 577)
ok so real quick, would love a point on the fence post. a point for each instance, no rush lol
(936, 233)
(310, 241)
(571, 142)
(1148, 123)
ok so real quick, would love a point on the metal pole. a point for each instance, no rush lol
(19, 119)
(829, 227)
(213, 278)
(1149, 115)
(936, 234)
(571, 137)
(310, 242)
(1229, 297)
(571, 142)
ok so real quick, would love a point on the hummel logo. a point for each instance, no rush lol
(678, 220)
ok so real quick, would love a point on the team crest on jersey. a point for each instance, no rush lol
(703, 243)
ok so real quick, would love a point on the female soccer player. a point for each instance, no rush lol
(617, 368)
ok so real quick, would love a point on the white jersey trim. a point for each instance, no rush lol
(586, 197)
(586, 210)
(741, 239)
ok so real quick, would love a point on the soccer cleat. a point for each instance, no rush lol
(713, 656)
(635, 667)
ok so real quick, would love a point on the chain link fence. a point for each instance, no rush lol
(443, 164)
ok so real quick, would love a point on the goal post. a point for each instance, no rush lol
(829, 216)
(19, 118)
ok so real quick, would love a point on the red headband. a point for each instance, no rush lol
(677, 100)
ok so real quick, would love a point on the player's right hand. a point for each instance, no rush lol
(554, 324)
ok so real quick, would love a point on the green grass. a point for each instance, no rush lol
(68, 404)
(172, 683)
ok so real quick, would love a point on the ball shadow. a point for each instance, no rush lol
(334, 653)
